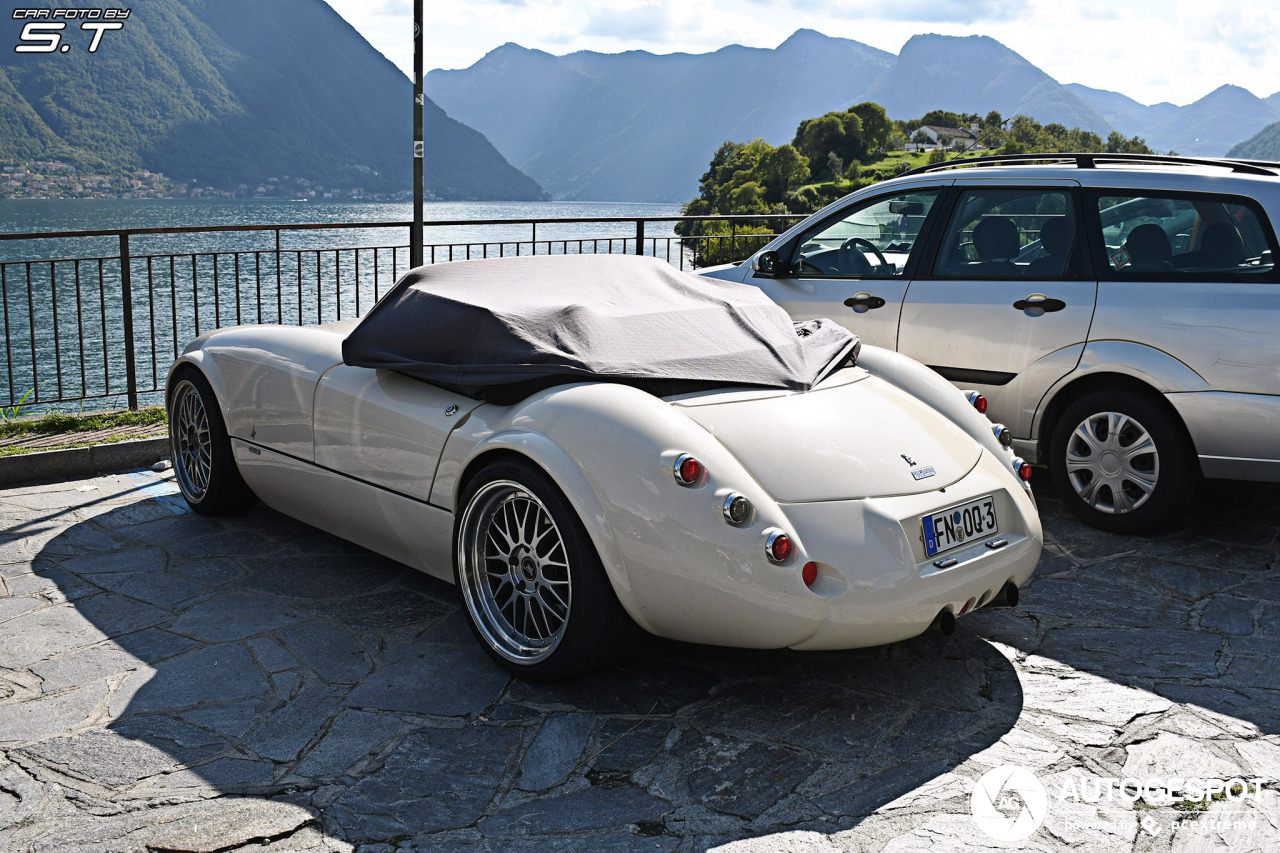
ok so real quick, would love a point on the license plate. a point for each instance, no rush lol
(959, 525)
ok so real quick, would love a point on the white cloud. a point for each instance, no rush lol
(1151, 50)
(647, 22)
(923, 11)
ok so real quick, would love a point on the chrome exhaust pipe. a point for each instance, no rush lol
(946, 622)
(1006, 597)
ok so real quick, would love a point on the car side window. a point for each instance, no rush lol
(1183, 236)
(875, 239)
(1011, 233)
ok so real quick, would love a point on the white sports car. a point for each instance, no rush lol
(580, 443)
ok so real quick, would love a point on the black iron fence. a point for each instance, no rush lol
(94, 318)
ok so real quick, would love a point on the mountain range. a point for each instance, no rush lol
(1263, 145)
(643, 127)
(235, 92)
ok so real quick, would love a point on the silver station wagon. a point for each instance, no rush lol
(1119, 313)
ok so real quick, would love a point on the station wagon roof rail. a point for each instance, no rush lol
(1091, 160)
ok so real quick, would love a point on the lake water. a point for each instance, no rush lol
(37, 215)
(63, 321)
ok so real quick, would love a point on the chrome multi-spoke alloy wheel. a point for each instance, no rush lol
(514, 572)
(1112, 462)
(191, 441)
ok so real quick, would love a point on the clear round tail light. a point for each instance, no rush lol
(737, 509)
(1003, 434)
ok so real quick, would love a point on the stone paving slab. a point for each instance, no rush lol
(170, 682)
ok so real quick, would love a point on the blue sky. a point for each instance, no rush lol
(1151, 50)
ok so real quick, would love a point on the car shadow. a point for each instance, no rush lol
(259, 678)
(1190, 613)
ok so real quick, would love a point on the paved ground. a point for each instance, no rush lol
(169, 682)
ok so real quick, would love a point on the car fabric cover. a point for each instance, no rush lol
(488, 328)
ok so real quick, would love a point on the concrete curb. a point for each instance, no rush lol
(46, 466)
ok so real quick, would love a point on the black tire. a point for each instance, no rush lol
(543, 608)
(202, 461)
(1121, 461)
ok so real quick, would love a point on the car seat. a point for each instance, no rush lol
(1056, 237)
(1149, 249)
(1222, 245)
(996, 241)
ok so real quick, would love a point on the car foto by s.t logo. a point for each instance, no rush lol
(44, 28)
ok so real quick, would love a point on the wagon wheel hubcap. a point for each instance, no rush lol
(514, 572)
(1112, 462)
(192, 444)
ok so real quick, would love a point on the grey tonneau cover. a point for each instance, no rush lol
(480, 326)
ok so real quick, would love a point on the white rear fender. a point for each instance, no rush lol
(937, 393)
(666, 548)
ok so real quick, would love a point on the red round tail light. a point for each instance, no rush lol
(1023, 469)
(978, 401)
(688, 470)
(779, 547)
(809, 573)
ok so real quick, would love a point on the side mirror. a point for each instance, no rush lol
(766, 263)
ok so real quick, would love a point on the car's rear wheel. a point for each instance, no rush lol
(202, 462)
(532, 584)
(1121, 462)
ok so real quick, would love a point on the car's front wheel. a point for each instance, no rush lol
(202, 462)
(532, 584)
(1121, 462)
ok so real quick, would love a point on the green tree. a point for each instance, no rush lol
(876, 127)
(781, 169)
(1117, 144)
(838, 133)
(835, 165)
(1024, 131)
(748, 198)
(942, 118)
(750, 177)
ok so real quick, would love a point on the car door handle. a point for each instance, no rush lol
(864, 301)
(1039, 300)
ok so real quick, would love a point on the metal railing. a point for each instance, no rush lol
(97, 316)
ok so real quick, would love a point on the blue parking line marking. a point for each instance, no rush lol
(161, 491)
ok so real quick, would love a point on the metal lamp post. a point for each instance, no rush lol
(419, 146)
